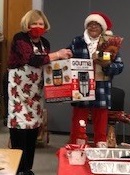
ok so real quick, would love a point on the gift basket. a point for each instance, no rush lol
(108, 46)
(76, 154)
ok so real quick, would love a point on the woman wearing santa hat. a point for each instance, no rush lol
(85, 47)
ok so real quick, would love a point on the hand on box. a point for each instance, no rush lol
(60, 54)
(64, 54)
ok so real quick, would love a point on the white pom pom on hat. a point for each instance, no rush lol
(108, 32)
(100, 18)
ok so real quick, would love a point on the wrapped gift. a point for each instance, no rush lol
(43, 135)
(108, 46)
(111, 137)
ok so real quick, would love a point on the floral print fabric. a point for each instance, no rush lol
(25, 97)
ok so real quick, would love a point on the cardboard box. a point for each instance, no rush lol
(69, 80)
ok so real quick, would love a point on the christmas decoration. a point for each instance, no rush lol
(108, 46)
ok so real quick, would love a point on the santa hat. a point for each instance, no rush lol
(100, 18)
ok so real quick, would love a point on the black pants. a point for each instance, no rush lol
(24, 139)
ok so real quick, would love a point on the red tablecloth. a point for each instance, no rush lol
(64, 168)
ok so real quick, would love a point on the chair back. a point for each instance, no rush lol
(117, 99)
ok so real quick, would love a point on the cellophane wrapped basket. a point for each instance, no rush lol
(109, 43)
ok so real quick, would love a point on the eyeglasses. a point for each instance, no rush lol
(93, 24)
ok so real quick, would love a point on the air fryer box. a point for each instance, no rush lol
(69, 80)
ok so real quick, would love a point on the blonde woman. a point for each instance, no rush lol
(29, 52)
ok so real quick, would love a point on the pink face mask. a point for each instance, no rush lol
(36, 32)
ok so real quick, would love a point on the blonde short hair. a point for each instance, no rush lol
(30, 17)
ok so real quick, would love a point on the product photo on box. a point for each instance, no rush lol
(69, 80)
